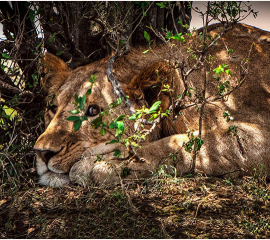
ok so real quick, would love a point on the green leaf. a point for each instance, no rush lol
(113, 125)
(84, 118)
(121, 43)
(89, 91)
(118, 133)
(4, 55)
(115, 104)
(39, 45)
(146, 51)
(75, 111)
(31, 15)
(133, 117)
(224, 66)
(52, 98)
(228, 72)
(126, 171)
(82, 101)
(168, 34)
(35, 77)
(106, 112)
(120, 125)
(155, 106)
(73, 118)
(120, 118)
(113, 141)
(59, 53)
(93, 78)
(77, 125)
(96, 122)
(76, 98)
(146, 36)
(52, 38)
(161, 5)
(178, 37)
(117, 153)
(155, 115)
(226, 113)
(102, 131)
(199, 143)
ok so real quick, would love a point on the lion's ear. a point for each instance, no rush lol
(56, 72)
(147, 85)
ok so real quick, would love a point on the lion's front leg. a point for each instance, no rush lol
(168, 151)
(101, 166)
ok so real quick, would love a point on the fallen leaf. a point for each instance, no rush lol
(2, 201)
(30, 230)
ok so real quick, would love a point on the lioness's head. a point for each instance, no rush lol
(62, 147)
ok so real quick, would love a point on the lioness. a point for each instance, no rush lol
(83, 156)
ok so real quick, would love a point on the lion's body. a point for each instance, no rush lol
(71, 156)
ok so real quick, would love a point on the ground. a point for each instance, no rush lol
(161, 207)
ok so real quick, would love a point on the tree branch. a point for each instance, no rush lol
(116, 86)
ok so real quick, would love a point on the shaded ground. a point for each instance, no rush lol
(195, 207)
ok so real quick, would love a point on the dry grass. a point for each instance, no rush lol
(188, 207)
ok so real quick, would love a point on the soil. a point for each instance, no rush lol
(187, 207)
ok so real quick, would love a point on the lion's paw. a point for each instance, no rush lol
(105, 173)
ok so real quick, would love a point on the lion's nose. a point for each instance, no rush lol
(45, 155)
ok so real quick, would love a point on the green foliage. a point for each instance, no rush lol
(227, 115)
(59, 53)
(147, 37)
(145, 111)
(99, 158)
(162, 4)
(80, 105)
(31, 15)
(125, 172)
(52, 38)
(146, 51)
(118, 196)
(166, 171)
(92, 80)
(234, 130)
(143, 5)
(115, 104)
(178, 37)
(195, 143)
(80, 108)
(117, 153)
(119, 126)
(5, 55)
(221, 68)
(98, 121)
(223, 74)
(185, 26)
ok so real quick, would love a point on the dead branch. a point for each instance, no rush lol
(116, 86)
(10, 91)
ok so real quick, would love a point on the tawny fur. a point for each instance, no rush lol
(221, 154)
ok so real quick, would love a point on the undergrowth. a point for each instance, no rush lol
(164, 206)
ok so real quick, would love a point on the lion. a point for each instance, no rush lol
(65, 156)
